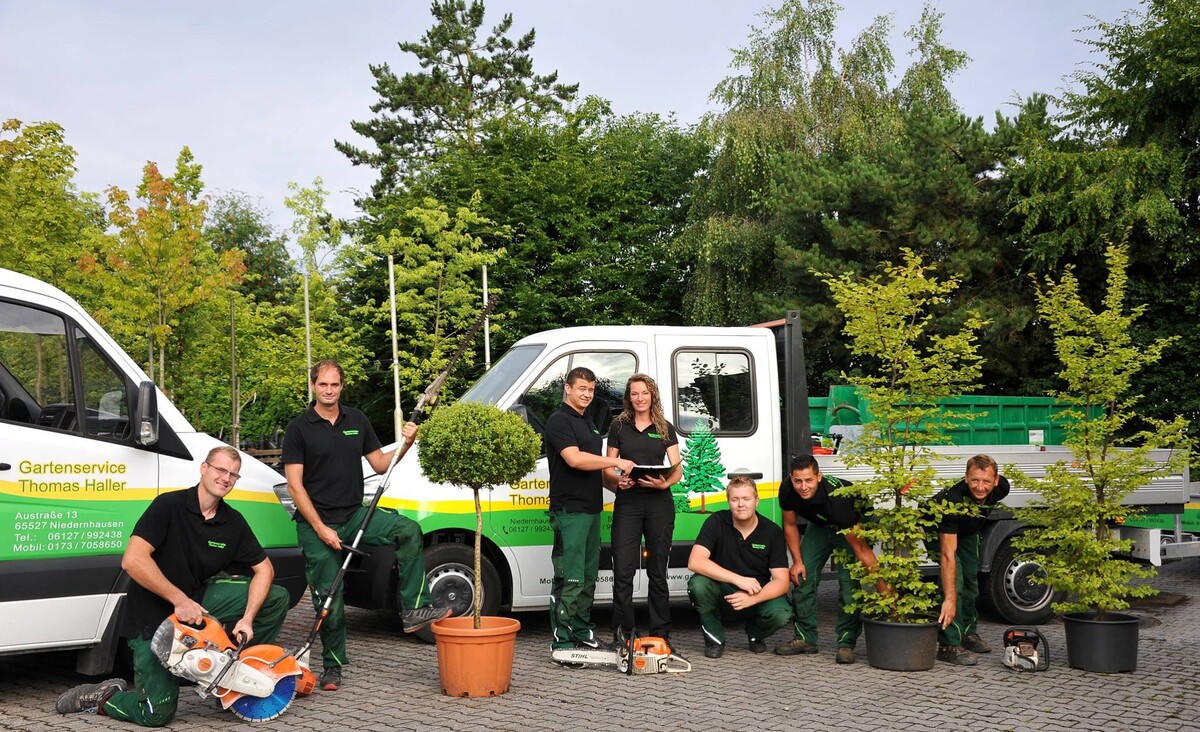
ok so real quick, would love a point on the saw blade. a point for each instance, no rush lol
(261, 709)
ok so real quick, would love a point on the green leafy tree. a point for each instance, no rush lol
(158, 264)
(46, 225)
(703, 472)
(1122, 163)
(236, 221)
(465, 80)
(477, 446)
(887, 324)
(1071, 523)
(439, 258)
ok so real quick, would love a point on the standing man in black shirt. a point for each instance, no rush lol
(740, 571)
(190, 554)
(957, 547)
(322, 453)
(573, 456)
(809, 494)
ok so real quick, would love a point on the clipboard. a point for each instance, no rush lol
(651, 471)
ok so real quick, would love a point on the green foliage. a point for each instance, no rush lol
(703, 471)
(46, 226)
(465, 81)
(477, 446)
(888, 319)
(1122, 163)
(157, 265)
(235, 221)
(1071, 523)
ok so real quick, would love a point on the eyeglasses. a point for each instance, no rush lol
(223, 473)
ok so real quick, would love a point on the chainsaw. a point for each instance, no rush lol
(256, 683)
(1025, 649)
(633, 656)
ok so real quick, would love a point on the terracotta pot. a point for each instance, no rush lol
(475, 662)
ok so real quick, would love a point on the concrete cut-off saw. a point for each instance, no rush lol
(256, 683)
(633, 656)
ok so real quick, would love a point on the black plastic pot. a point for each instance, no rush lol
(1104, 646)
(900, 646)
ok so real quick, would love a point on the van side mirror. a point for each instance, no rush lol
(521, 411)
(146, 414)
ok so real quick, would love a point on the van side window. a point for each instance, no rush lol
(35, 372)
(612, 369)
(716, 387)
(37, 380)
(104, 396)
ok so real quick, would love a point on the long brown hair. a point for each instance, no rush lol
(656, 410)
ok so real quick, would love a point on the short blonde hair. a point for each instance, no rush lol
(983, 462)
(225, 450)
(742, 481)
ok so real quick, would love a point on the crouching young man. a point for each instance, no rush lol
(740, 572)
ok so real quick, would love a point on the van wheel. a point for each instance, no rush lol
(451, 575)
(1010, 587)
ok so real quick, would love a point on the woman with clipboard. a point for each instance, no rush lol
(644, 506)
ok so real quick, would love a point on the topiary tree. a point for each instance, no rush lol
(1071, 523)
(887, 326)
(477, 446)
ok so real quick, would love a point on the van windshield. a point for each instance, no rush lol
(502, 375)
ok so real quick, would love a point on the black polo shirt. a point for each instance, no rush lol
(753, 556)
(189, 550)
(823, 509)
(578, 491)
(331, 454)
(643, 447)
(964, 525)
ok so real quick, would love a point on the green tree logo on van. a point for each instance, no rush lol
(702, 469)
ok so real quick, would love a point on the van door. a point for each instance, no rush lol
(72, 481)
(520, 516)
(722, 394)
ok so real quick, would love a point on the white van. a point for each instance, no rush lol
(86, 442)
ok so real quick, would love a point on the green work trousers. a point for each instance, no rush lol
(817, 545)
(966, 587)
(575, 557)
(708, 598)
(322, 565)
(155, 693)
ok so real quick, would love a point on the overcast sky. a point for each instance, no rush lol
(260, 90)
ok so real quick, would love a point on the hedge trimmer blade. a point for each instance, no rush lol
(262, 709)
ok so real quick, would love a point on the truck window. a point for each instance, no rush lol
(37, 383)
(612, 369)
(714, 387)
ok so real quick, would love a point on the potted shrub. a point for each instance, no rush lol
(477, 446)
(1071, 525)
(887, 322)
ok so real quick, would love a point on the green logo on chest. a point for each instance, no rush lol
(349, 433)
(216, 544)
(758, 546)
(654, 435)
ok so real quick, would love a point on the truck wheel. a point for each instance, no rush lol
(451, 574)
(1011, 589)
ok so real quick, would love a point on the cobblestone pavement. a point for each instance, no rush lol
(392, 685)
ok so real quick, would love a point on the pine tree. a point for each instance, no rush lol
(702, 468)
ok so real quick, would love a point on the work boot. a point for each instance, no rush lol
(956, 655)
(331, 679)
(973, 643)
(88, 697)
(713, 649)
(795, 647)
(414, 620)
(757, 646)
(845, 654)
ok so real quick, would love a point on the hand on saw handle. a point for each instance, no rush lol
(189, 611)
